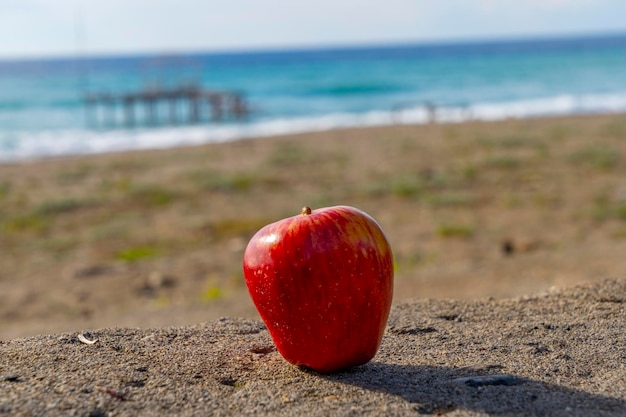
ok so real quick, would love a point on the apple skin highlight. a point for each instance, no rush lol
(322, 282)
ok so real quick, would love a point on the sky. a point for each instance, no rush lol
(31, 28)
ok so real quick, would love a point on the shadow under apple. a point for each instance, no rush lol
(439, 390)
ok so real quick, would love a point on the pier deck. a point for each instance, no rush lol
(154, 106)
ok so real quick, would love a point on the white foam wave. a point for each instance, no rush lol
(26, 145)
(538, 107)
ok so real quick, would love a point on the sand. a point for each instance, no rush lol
(505, 236)
(561, 353)
(155, 238)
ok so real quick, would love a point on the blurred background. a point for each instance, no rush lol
(488, 139)
(298, 69)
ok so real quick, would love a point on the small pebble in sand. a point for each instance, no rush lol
(12, 378)
(479, 381)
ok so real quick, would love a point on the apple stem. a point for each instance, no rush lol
(305, 211)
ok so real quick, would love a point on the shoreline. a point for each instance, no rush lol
(196, 135)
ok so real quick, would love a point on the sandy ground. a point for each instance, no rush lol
(561, 353)
(155, 238)
(505, 237)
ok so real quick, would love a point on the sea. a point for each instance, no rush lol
(43, 111)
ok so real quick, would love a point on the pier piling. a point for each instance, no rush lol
(199, 105)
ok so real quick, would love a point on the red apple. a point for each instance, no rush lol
(322, 282)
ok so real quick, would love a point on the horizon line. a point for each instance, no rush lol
(359, 45)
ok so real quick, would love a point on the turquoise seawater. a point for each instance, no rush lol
(42, 108)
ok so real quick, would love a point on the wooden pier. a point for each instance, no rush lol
(158, 106)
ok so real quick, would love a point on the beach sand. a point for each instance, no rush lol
(561, 353)
(155, 238)
(505, 235)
